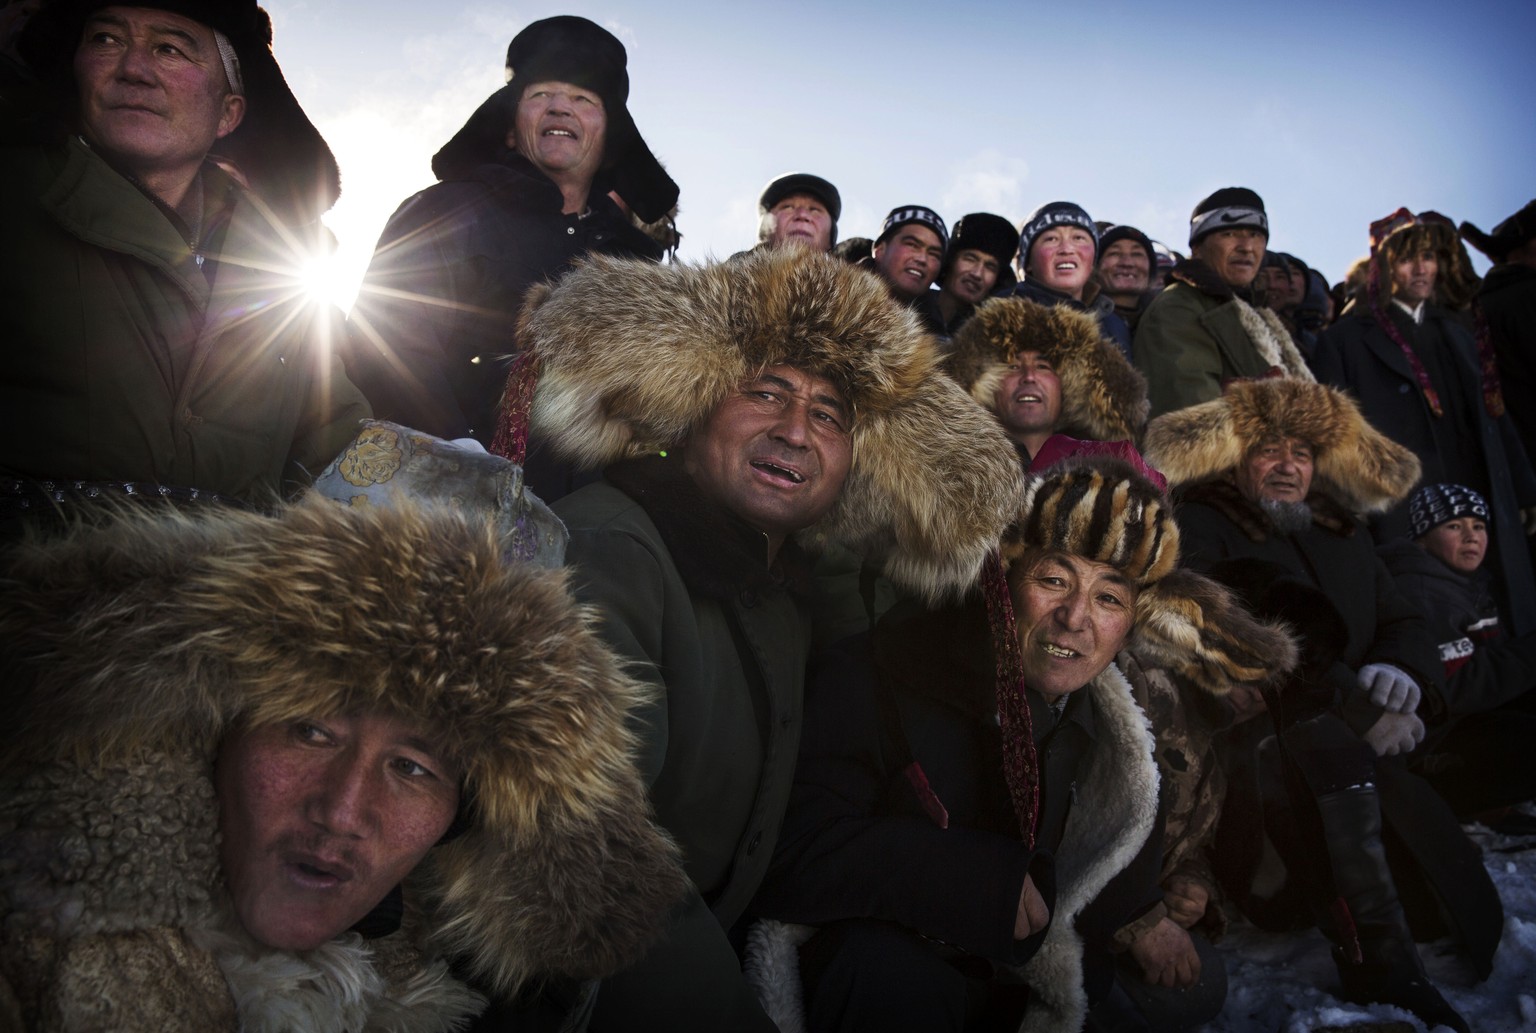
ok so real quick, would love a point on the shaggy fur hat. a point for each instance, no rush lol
(992, 234)
(631, 355)
(276, 148)
(1103, 397)
(1355, 464)
(161, 631)
(1100, 508)
(1507, 236)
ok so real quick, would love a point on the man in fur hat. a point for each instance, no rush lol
(977, 265)
(1424, 381)
(309, 771)
(161, 190)
(1507, 301)
(1272, 475)
(743, 411)
(523, 193)
(971, 826)
(1203, 329)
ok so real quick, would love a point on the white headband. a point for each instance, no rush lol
(231, 63)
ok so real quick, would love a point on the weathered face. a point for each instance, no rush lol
(153, 94)
(1234, 255)
(321, 819)
(1279, 471)
(972, 276)
(1460, 544)
(909, 260)
(801, 219)
(1028, 402)
(776, 452)
(1413, 276)
(1125, 268)
(1062, 259)
(1073, 616)
(560, 128)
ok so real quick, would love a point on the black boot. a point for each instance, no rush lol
(1388, 969)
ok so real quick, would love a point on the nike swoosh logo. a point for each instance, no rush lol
(1229, 217)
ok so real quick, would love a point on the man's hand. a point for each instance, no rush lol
(1167, 955)
(1247, 702)
(1186, 900)
(1390, 688)
(1032, 915)
(1395, 733)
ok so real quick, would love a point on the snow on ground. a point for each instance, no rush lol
(1281, 982)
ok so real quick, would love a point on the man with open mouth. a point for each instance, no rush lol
(1203, 329)
(1058, 245)
(743, 413)
(907, 256)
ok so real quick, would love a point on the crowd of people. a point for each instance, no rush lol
(944, 630)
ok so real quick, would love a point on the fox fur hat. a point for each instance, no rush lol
(1354, 463)
(1103, 397)
(1102, 509)
(156, 633)
(631, 355)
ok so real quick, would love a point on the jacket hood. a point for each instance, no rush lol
(1354, 463)
(159, 632)
(1102, 397)
(631, 355)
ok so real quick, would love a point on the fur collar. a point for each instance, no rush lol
(717, 555)
(1224, 497)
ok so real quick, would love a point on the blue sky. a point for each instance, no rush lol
(1336, 113)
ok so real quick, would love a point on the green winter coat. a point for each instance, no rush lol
(1190, 342)
(123, 363)
(726, 648)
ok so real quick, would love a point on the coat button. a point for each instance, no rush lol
(1402, 389)
(571, 230)
(757, 841)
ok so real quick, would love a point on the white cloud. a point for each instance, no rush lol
(987, 181)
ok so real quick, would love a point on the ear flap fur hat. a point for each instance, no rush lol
(1103, 398)
(160, 632)
(631, 355)
(1355, 464)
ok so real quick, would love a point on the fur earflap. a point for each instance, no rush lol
(160, 631)
(1103, 398)
(632, 355)
(1357, 465)
(1195, 627)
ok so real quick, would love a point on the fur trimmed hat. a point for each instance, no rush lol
(988, 233)
(162, 631)
(1517, 230)
(1102, 509)
(631, 355)
(1103, 397)
(1353, 462)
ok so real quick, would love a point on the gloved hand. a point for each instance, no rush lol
(1395, 733)
(1390, 688)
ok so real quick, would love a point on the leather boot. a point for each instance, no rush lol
(1389, 970)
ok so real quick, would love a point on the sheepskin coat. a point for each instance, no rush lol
(1198, 334)
(859, 843)
(128, 652)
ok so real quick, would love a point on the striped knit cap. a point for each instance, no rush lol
(1436, 504)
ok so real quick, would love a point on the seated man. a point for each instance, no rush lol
(1476, 747)
(156, 225)
(971, 830)
(317, 758)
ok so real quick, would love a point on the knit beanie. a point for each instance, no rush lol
(1116, 234)
(908, 213)
(1436, 504)
(1228, 208)
(1054, 213)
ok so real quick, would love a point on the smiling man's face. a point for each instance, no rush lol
(560, 128)
(1028, 401)
(776, 452)
(1073, 616)
(321, 818)
(1062, 259)
(909, 259)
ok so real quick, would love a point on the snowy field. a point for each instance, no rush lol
(1279, 983)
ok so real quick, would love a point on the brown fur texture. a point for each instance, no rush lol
(1103, 398)
(1099, 508)
(632, 355)
(1355, 464)
(159, 632)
